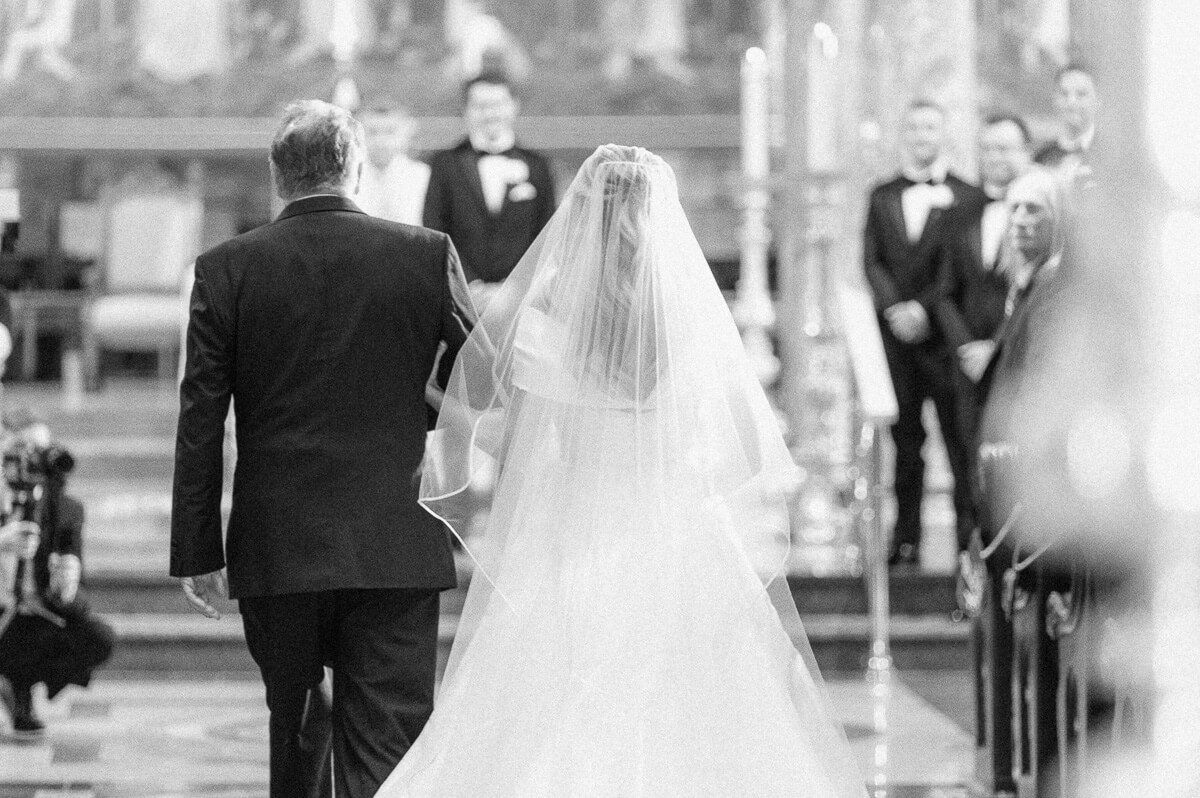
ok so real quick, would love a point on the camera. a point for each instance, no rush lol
(26, 465)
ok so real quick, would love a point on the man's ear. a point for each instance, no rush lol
(276, 184)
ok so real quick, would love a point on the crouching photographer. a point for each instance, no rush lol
(47, 633)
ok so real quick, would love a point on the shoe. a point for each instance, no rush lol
(7, 696)
(18, 700)
(904, 554)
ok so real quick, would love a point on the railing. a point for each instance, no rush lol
(876, 410)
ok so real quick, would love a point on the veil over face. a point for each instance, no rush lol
(635, 541)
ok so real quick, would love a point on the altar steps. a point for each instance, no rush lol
(123, 441)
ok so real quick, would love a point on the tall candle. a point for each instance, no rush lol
(823, 109)
(756, 115)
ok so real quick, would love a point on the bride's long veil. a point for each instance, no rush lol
(607, 387)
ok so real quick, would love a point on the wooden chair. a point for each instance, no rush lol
(992, 655)
(1034, 677)
(153, 232)
(1069, 622)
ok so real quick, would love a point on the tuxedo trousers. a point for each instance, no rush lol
(381, 645)
(921, 372)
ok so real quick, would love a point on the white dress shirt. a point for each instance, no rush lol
(497, 172)
(396, 192)
(918, 200)
(992, 229)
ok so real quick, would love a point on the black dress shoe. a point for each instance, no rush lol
(904, 554)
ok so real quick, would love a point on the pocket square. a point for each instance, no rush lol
(522, 192)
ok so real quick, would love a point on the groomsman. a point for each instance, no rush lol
(490, 195)
(1076, 100)
(973, 276)
(393, 183)
(907, 221)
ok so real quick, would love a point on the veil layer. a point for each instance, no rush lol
(639, 518)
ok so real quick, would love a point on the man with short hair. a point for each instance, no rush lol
(1076, 100)
(323, 328)
(490, 195)
(394, 183)
(973, 276)
(907, 220)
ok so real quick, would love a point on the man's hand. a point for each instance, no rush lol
(201, 590)
(909, 321)
(973, 358)
(65, 572)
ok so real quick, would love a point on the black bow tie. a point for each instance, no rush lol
(929, 181)
(506, 153)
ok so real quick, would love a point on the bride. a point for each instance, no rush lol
(629, 631)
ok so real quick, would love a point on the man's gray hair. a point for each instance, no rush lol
(316, 148)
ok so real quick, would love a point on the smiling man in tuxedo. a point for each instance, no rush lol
(907, 222)
(491, 196)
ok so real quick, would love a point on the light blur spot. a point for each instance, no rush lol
(1181, 250)
(1098, 450)
(1171, 451)
(829, 41)
(1174, 92)
(1125, 775)
(1173, 312)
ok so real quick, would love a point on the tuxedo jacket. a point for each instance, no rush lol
(323, 328)
(899, 270)
(970, 303)
(1024, 341)
(490, 244)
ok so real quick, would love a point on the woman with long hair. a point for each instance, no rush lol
(628, 630)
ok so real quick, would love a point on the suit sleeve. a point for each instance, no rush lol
(929, 295)
(458, 319)
(436, 213)
(546, 197)
(204, 395)
(6, 328)
(879, 277)
(949, 290)
(68, 533)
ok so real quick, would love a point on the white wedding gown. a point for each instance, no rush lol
(627, 648)
(618, 640)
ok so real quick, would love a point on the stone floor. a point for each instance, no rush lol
(160, 739)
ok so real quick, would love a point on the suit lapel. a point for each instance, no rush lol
(505, 203)
(469, 165)
(896, 211)
(932, 223)
(975, 242)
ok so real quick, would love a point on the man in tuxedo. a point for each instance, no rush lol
(491, 196)
(323, 328)
(907, 221)
(1076, 100)
(973, 277)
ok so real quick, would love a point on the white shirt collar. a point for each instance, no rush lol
(505, 141)
(936, 172)
(1083, 143)
(994, 193)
